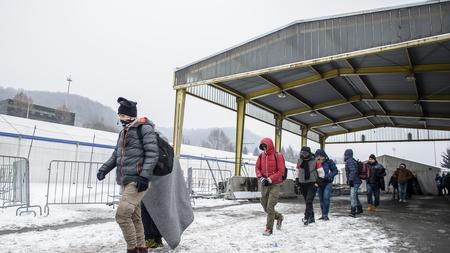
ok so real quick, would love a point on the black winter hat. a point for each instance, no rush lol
(127, 107)
(306, 148)
(373, 157)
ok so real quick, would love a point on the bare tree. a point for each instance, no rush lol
(218, 140)
(446, 159)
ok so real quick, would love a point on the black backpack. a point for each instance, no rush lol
(165, 160)
(276, 166)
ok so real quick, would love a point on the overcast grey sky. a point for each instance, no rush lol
(131, 48)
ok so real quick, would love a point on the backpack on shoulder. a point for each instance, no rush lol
(164, 166)
(363, 170)
(276, 165)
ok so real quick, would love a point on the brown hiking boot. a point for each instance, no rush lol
(280, 222)
(267, 232)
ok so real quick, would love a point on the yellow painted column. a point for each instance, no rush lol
(322, 142)
(278, 132)
(304, 136)
(241, 104)
(178, 121)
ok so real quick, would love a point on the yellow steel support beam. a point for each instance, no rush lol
(241, 104)
(406, 69)
(278, 132)
(304, 141)
(178, 121)
(370, 115)
(339, 102)
(442, 128)
(322, 142)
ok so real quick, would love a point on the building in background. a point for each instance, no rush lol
(37, 112)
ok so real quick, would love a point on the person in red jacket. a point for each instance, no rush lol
(269, 171)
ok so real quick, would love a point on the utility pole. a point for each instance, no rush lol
(69, 80)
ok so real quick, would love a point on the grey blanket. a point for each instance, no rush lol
(167, 201)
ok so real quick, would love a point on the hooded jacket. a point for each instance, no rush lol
(329, 167)
(403, 175)
(351, 168)
(132, 158)
(267, 167)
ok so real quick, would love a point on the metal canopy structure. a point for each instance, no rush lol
(334, 75)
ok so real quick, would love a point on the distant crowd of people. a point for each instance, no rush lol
(315, 176)
(443, 183)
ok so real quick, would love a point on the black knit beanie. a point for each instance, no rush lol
(127, 107)
(373, 157)
(306, 148)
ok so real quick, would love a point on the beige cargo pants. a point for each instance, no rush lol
(269, 199)
(128, 216)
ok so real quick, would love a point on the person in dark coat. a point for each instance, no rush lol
(447, 183)
(308, 178)
(393, 181)
(444, 184)
(438, 180)
(326, 183)
(135, 162)
(403, 175)
(353, 180)
(374, 182)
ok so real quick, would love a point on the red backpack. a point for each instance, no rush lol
(363, 170)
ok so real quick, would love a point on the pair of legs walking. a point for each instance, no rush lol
(356, 207)
(309, 192)
(373, 196)
(403, 188)
(128, 216)
(269, 199)
(325, 197)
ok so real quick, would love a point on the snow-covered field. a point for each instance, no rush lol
(225, 226)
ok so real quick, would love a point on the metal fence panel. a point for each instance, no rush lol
(75, 182)
(15, 184)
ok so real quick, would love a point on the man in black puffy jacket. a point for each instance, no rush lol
(135, 160)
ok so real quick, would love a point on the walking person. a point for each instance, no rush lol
(270, 168)
(393, 181)
(135, 162)
(308, 179)
(353, 180)
(375, 182)
(325, 187)
(403, 175)
(438, 180)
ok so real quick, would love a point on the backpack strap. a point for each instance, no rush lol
(139, 133)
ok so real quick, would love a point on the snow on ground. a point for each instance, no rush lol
(224, 228)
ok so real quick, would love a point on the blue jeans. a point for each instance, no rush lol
(373, 191)
(402, 188)
(354, 199)
(325, 196)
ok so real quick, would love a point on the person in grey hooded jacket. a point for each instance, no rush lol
(135, 162)
(353, 180)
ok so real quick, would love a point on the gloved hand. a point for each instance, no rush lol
(264, 181)
(351, 183)
(142, 184)
(100, 176)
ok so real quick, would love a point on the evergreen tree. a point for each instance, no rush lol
(446, 159)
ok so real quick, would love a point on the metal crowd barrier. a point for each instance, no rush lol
(15, 184)
(207, 182)
(75, 182)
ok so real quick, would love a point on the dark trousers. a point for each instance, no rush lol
(150, 229)
(373, 190)
(309, 192)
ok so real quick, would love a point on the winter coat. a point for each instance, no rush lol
(266, 165)
(132, 158)
(168, 204)
(313, 174)
(403, 175)
(329, 167)
(393, 182)
(351, 168)
(376, 174)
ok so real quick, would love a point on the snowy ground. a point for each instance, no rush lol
(219, 226)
